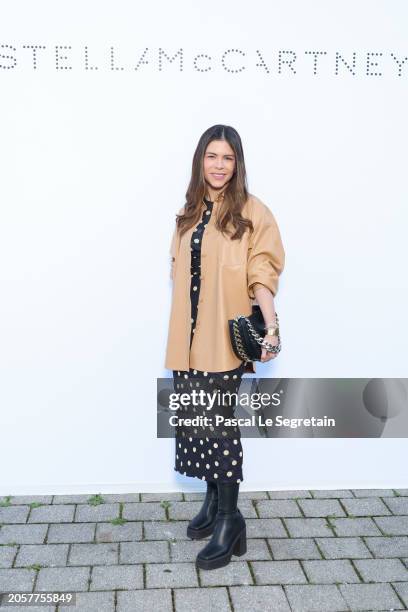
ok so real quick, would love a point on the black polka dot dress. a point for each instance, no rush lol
(209, 452)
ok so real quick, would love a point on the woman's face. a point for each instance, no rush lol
(219, 163)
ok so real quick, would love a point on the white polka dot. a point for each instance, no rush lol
(211, 380)
(195, 288)
(196, 240)
(229, 473)
(181, 463)
(215, 445)
(207, 465)
(238, 480)
(201, 441)
(209, 451)
(202, 455)
(235, 376)
(234, 462)
(226, 377)
(216, 463)
(190, 439)
(215, 475)
(179, 444)
(194, 449)
(177, 456)
(185, 450)
(178, 373)
(189, 462)
(235, 441)
(226, 452)
(240, 453)
(203, 478)
(205, 373)
(185, 375)
(195, 371)
(197, 464)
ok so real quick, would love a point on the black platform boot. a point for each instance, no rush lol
(202, 525)
(229, 535)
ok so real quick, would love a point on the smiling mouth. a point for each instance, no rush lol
(217, 175)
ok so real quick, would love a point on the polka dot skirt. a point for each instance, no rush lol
(208, 452)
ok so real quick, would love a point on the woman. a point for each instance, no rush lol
(226, 252)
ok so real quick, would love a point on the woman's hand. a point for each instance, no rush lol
(266, 356)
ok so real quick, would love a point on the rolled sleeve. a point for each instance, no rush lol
(266, 255)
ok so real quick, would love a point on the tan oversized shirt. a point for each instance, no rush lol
(230, 269)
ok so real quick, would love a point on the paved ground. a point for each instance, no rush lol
(307, 551)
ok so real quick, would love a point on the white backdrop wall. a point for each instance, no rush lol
(99, 123)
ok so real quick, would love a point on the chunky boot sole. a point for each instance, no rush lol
(198, 534)
(238, 548)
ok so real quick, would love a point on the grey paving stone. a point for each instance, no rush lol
(315, 598)
(373, 492)
(106, 532)
(197, 496)
(234, 573)
(71, 532)
(278, 572)
(186, 550)
(297, 548)
(158, 600)
(28, 499)
(159, 575)
(95, 514)
(52, 514)
(277, 508)
(265, 528)
(144, 511)
(332, 493)
(330, 571)
(257, 550)
(391, 546)
(42, 554)
(63, 579)
(7, 554)
(14, 514)
(397, 505)
(252, 495)
(186, 510)
(122, 497)
(247, 508)
(370, 596)
(259, 599)
(343, 548)
(17, 580)
(366, 507)
(321, 507)
(165, 530)
(289, 494)
(204, 600)
(308, 527)
(117, 577)
(392, 525)
(381, 570)
(23, 534)
(159, 497)
(402, 590)
(145, 552)
(93, 554)
(72, 499)
(355, 527)
(92, 602)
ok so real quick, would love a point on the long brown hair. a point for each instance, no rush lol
(234, 195)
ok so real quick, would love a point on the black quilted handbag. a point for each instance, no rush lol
(247, 334)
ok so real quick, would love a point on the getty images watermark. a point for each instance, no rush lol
(284, 407)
